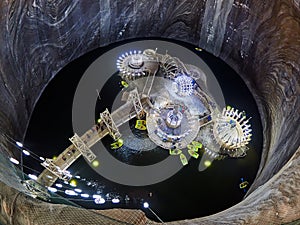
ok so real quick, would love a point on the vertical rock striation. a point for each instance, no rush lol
(259, 39)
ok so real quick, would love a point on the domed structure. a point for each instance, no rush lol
(184, 85)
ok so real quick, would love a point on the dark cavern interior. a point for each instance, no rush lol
(258, 40)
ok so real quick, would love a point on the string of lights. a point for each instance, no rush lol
(65, 187)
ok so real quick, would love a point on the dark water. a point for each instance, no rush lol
(189, 193)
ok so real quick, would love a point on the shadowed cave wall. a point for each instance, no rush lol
(259, 39)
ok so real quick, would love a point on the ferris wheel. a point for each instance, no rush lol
(232, 129)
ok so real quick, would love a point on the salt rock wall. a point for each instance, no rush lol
(259, 39)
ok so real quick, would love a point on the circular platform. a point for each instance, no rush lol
(135, 64)
(172, 126)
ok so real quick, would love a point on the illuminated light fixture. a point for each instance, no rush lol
(115, 200)
(77, 176)
(207, 163)
(13, 160)
(71, 192)
(32, 176)
(127, 198)
(52, 189)
(95, 163)
(97, 196)
(78, 190)
(58, 185)
(42, 158)
(19, 144)
(99, 200)
(26, 152)
(85, 195)
(73, 183)
(146, 205)
(102, 200)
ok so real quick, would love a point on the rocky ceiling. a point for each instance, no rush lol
(259, 39)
